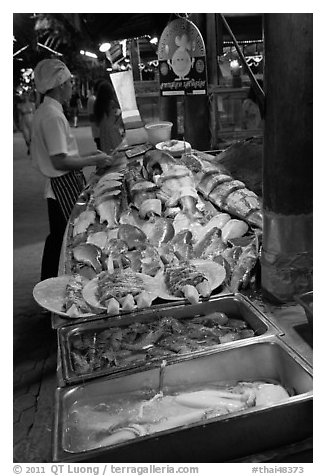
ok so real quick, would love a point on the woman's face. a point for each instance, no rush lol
(67, 90)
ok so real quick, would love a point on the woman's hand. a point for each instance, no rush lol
(103, 160)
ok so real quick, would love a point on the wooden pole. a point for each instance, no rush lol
(288, 156)
(196, 109)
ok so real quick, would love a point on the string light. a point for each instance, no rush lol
(243, 42)
(87, 53)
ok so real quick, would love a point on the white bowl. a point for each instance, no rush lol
(174, 147)
(158, 131)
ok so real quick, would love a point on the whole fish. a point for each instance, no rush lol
(88, 254)
(108, 211)
(158, 231)
(83, 221)
(242, 272)
(210, 245)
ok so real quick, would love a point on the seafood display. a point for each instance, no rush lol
(191, 373)
(161, 213)
(155, 217)
(119, 347)
(126, 416)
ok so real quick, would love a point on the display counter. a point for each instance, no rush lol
(269, 342)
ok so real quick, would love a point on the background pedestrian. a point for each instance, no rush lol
(26, 109)
(90, 111)
(107, 115)
(75, 106)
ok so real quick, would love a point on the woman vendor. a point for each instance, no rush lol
(55, 154)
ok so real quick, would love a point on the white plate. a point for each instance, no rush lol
(89, 291)
(50, 294)
(214, 272)
(177, 150)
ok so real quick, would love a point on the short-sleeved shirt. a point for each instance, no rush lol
(51, 135)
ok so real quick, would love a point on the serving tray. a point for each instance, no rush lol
(233, 306)
(220, 439)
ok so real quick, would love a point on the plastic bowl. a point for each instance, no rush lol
(158, 131)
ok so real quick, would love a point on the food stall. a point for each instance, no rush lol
(162, 333)
(167, 351)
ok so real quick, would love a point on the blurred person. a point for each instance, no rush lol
(108, 117)
(26, 109)
(251, 115)
(90, 111)
(55, 154)
(75, 106)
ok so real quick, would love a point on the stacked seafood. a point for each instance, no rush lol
(138, 342)
(161, 215)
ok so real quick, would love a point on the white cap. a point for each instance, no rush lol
(50, 73)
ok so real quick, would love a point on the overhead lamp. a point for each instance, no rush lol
(154, 40)
(87, 53)
(104, 47)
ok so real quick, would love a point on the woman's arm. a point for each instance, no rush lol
(64, 162)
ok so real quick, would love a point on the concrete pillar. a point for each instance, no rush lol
(288, 156)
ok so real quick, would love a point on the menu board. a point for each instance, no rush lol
(182, 59)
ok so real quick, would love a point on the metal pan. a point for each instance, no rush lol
(220, 439)
(234, 306)
(306, 301)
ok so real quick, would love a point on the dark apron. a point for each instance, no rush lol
(67, 189)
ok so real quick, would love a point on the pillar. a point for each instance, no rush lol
(287, 250)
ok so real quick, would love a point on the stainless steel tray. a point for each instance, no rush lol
(234, 306)
(219, 439)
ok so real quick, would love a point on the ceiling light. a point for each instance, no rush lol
(104, 47)
(87, 53)
(154, 40)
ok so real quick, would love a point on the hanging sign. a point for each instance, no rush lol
(182, 59)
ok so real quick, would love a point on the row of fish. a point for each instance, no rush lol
(231, 196)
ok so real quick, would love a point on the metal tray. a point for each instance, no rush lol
(220, 439)
(306, 301)
(234, 306)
